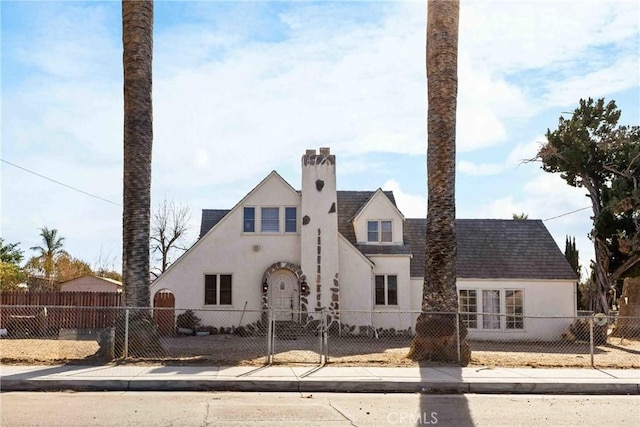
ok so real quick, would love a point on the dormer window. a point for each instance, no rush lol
(380, 231)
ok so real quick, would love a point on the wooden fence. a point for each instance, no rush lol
(45, 313)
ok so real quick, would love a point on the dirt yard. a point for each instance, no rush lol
(351, 351)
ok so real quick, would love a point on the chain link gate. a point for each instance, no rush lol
(302, 338)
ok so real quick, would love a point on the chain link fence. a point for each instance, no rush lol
(93, 335)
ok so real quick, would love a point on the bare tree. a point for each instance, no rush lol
(169, 228)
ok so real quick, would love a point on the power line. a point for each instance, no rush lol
(566, 213)
(60, 183)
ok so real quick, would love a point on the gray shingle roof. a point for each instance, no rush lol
(487, 248)
(211, 217)
(495, 248)
(349, 203)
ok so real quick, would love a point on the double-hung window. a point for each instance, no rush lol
(380, 231)
(270, 220)
(217, 289)
(386, 292)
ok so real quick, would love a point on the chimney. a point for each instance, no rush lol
(319, 229)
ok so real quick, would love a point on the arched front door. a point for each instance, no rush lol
(164, 301)
(283, 289)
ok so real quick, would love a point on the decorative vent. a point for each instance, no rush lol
(256, 248)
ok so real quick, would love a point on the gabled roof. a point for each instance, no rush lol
(210, 217)
(378, 193)
(495, 248)
(349, 204)
(487, 248)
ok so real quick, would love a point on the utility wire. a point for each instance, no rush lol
(566, 213)
(60, 183)
(117, 204)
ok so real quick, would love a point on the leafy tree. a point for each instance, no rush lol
(436, 333)
(11, 275)
(592, 151)
(520, 217)
(571, 253)
(170, 224)
(69, 268)
(10, 253)
(49, 253)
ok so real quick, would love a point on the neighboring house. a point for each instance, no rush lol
(354, 255)
(91, 284)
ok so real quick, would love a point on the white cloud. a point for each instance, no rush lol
(230, 107)
(479, 169)
(411, 205)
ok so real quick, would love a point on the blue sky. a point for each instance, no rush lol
(243, 88)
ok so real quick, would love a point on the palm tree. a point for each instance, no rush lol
(50, 251)
(436, 334)
(137, 41)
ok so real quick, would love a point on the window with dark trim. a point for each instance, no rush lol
(386, 292)
(211, 289)
(290, 220)
(249, 223)
(217, 289)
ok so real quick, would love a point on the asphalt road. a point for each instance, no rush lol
(318, 409)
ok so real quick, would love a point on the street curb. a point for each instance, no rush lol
(318, 386)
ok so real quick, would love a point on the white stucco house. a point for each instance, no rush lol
(354, 255)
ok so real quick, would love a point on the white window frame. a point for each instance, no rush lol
(379, 232)
(500, 320)
(262, 221)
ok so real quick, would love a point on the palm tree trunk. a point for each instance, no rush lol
(137, 40)
(436, 335)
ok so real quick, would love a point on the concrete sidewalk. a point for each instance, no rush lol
(327, 379)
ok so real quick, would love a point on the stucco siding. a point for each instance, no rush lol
(227, 250)
(355, 290)
(393, 316)
(549, 308)
(378, 208)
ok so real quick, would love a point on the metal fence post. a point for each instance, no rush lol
(270, 339)
(591, 349)
(458, 335)
(126, 333)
